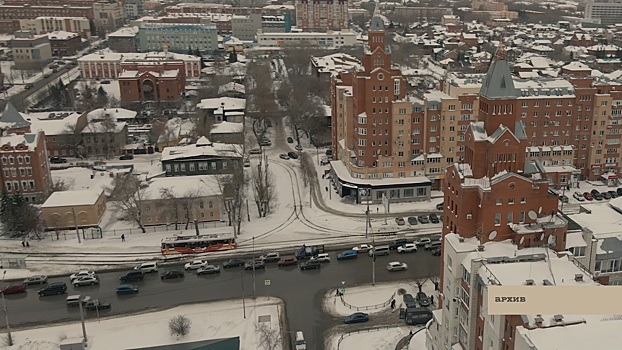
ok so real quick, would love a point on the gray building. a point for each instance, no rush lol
(245, 27)
(604, 11)
(202, 158)
(134, 9)
(179, 37)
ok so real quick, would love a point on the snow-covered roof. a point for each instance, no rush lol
(202, 148)
(227, 128)
(72, 198)
(61, 35)
(100, 127)
(344, 175)
(171, 73)
(53, 123)
(115, 113)
(124, 32)
(575, 239)
(232, 86)
(191, 186)
(29, 140)
(576, 66)
(228, 103)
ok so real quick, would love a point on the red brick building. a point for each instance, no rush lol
(162, 83)
(65, 43)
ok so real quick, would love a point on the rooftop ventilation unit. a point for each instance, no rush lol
(578, 277)
(530, 282)
(559, 318)
(480, 248)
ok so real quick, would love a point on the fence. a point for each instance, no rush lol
(363, 330)
(368, 307)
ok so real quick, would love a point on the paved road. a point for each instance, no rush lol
(21, 101)
(302, 291)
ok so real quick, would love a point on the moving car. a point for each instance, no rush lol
(363, 248)
(57, 160)
(126, 157)
(321, 258)
(85, 281)
(356, 317)
(259, 264)
(310, 265)
(420, 242)
(76, 299)
(412, 220)
(434, 218)
(82, 273)
(578, 196)
(418, 315)
(233, 263)
(247, 163)
(398, 243)
(147, 267)
(397, 266)
(379, 251)
(55, 288)
(172, 274)
(96, 304)
(301, 344)
(400, 221)
(271, 257)
(132, 276)
(126, 289)
(193, 265)
(290, 139)
(37, 279)
(292, 155)
(298, 147)
(14, 288)
(290, 261)
(284, 156)
(347, 255)
(432, 245)
(407, 248)
(255, 151)
(423, 219)
(588, 196)
(422, 299)
(208, 270)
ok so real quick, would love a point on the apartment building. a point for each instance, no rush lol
(31, 51)
(108, 16)
(328, 39)
(43, 25)
(604, 12)
(246, 27)
(65, 43)
(134, 8)
(202, 158)
(178, 37)
(322, 15)
(10, 15)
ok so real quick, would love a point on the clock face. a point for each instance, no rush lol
(380, 76)
(511, 185)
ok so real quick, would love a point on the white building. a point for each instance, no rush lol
(43, 25)
(604, 11)
(330, 39)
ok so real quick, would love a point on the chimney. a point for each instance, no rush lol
(530, 282)
(539, 320)
(559, 318)
(480, 248)
(578, 277)
(461, 239)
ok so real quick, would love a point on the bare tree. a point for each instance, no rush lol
(264, 188)
(107, 125)
(420, 281)
(58, 185)
(260, 95)
(232, 187)
(179, 325)
(128, 194)
(33, 221)
(72, 137)
(158, 129)
(171, 205)
(269, 338)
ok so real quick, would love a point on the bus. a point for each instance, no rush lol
(198, 243)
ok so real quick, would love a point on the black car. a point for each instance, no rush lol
(172, 274)
(132, 276)
(606, 195)
(55, 288)
(598, 196)
(439, 206)
(57, 160)
(409, 300)
(311, 264)
(422, 299)
(436, 251)
(126, 157)
(96, 305)
(423, 219)
(290, 139)
(398, 243)
(613, 194)
(563, 198)
(233, 263)
(619, 191)
(412, 220)
(434, 218)
(292, 155)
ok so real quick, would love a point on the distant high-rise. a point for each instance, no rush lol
(322, 15)
(604, 11)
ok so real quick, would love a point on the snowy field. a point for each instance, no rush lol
(381, 339)
(209, 321)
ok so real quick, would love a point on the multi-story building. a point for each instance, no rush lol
(604, 12)
(109, 65)
(134, 8)
(195, 7)
(65, 43)
(322, 15)
(108, 16)
(105, 137)
(10, 15)
(432, 14)
(246, 27)
(62, 131)
(202, 158)
(178, 37)
(43, 25)
(31, 51)
(160, 85)
(123, 40)
(329, 39)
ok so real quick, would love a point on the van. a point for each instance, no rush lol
(419, 315)
(379, 251)
(132, 276)
(147, 267)
(348, 254)
(75, 299)
(300, 341)
(55, 288)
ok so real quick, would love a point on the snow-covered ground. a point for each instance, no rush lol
(112, 89)
(380, 339)
(366, 297)
(222, 319)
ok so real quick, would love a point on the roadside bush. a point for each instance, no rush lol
(401, 291)
(179, 325)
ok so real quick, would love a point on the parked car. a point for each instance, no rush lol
(598, 196)
(292, 155)
(132, 276)
(147, 267)
(290, 139)
(37, 279)
(436, 251)
(363, 248)
(407, 248)
(324, 161)
(432, 245)
(396, 266)
(434, 218)
(310, 265)
(28, 86)
(440, 206)
(127, 289)
(271, 257)
(96, 305)
(420, 242)
(233, 263)
(356, 317)
(193, 265)
(418, 315)
(108, 82)
(14, 288)
(55, 288)
(208, 270)
(409, 300)
(347, 255)
(423, 219)
(613, 194)
(578, 196)
(57, 160)
(284, 156)
(412, 220)
(290, 261)
(588, 196)
(398, 243)
(255, 151)
(321, 258)
(619, 191)
(400, 221)
(82, 273)
(172, 274)
(422, 299)
(298, 147)
(85, 281)
(265, 143)
(126, 157)
(606, 195)
(259, 264)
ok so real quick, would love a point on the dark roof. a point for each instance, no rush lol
(210, 344)
(11, 118)
(498, 82)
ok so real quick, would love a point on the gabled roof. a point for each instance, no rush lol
(12, 119)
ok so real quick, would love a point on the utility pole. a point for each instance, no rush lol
(373, 261)
(367, 221)
(82, 320)
(6, 316)
(254, 284)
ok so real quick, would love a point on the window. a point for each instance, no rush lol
(511, 200)
(191, 167)
(523, 199)
(521, 217)
(408, 192)
(497, 219)
(20, 160)
(510, 218)
(499, 201)
(168, 167)
(32, 184)
(176, 167)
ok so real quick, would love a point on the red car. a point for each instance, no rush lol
(288, 261)
(13, 288)
(588, 196)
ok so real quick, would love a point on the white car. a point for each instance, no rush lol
(422, 241)
(578, 196)
(82, 273)
(85, 281)
(407, 248)
(363, 248)
(321, 258)
(194, 265)
(147, 267)
(396, 266)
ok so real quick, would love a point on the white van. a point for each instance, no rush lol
(300, 341)
(379, 250)
(147, 267)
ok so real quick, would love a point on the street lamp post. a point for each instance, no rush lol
(6, 315)
(82, 320)
(373, 261)
(254, 284)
